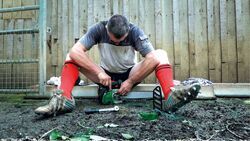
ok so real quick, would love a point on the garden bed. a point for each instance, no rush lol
(219, 119)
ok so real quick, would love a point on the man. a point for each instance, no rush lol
(118, 40)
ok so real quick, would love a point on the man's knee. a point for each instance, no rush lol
(152, 58)
(71, 62)
(161, 53)
(161, 56)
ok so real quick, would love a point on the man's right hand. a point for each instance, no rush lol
(105, 79)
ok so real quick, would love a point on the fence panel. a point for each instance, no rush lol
(20, 52)
(214, 50)
(203, 38)
(181, 64)
(200, 36)
(243, 39)
(228, 41)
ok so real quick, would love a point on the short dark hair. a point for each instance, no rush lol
(118, 25)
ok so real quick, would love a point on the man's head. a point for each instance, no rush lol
(118, 28)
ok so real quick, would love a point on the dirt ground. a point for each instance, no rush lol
(220, 119)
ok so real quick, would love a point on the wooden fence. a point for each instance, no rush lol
(16, 50)
(204, 38)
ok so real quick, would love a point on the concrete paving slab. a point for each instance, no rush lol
(140, 91)
(144, 91)
(232, 89)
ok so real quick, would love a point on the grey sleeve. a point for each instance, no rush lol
(91, 38)
(142, 44)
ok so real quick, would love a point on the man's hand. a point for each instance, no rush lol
(105, 79)
(126, 87)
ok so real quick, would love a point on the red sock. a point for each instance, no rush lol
(68, 78)
(164, 75)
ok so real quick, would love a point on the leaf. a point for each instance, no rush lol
(89, 131)
(80, 138)
(110, 125)
(187, 122)
(65, 137)
(247, 101)
(149, 115)
(55, 135)
(97, 138)
(99, 127)
(127, 136)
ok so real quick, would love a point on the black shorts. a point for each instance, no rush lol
(118, 76)
(114, 77)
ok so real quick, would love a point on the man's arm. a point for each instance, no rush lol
(79, 55)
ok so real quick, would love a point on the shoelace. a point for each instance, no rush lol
(55, 103)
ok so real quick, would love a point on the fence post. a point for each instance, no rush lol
(42, 46)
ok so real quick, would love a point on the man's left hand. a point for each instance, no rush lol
(126, 87)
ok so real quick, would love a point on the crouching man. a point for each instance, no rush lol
(117, 41)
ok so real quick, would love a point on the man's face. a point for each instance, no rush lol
(114, 39)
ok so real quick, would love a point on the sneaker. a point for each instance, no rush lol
(180, 97)
(57, 104)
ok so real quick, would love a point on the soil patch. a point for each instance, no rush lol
(220, 119)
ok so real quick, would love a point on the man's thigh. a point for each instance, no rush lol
(90, 75)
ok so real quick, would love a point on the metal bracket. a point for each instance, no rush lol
(157, 98)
